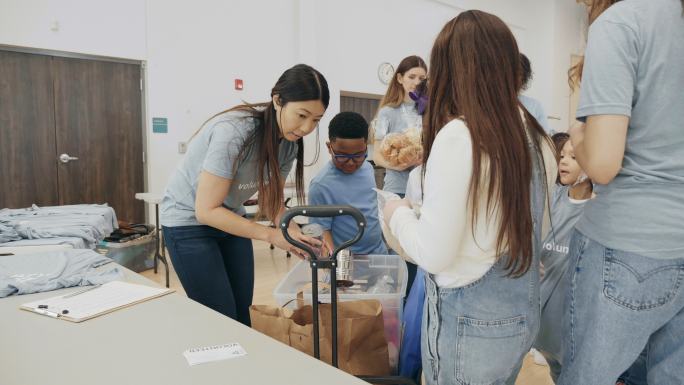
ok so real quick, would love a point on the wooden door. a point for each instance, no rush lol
(28, 171)
(98, 119)
(364, 104)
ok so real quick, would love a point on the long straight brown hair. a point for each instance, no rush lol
(475, 75)
(395, 91)
(299, 83)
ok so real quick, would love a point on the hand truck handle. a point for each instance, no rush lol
(323, 212)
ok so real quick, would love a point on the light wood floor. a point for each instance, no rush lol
(272, 265)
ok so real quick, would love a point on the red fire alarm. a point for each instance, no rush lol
(238, 84)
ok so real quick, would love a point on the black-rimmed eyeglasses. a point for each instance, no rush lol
(356, 158)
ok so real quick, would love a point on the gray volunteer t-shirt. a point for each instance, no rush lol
(565, 213)
(396, 120)
(215, 150)
(635, 67)
(554, 256)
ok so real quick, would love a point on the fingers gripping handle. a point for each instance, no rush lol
(322, 212)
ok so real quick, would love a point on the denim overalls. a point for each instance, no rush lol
(479, 333)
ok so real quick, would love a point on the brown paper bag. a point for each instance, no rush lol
(361, 343)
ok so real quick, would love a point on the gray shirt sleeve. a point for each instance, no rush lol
(540, 115)
(381, 124)
(288, 161)
(224, 146)
(610, 70)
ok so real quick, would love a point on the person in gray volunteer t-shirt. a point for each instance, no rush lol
(627, 254)
(246, 149)
(397, 112)
(532, 105)
(572, 191)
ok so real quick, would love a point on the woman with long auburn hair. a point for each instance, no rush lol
(246, 149)
(488, 165)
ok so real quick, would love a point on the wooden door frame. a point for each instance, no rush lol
(67, 54)
(143, 92)
(361, 95)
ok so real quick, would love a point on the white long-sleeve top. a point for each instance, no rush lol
(442, 241)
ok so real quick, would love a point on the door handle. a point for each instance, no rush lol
(65, 158)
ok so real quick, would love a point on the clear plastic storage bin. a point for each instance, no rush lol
(137, 255)
(380, 277)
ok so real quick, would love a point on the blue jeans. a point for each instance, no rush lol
(215, 268)
(410, 362)
(636, 374)
(554, 288)
(619, 303)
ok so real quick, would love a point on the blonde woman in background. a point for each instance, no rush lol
(397, 113)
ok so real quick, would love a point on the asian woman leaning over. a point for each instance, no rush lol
(246, 149)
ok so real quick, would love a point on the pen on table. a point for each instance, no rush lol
(47, 313)
(82, 291)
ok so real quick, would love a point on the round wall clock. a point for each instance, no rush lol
(385, 72)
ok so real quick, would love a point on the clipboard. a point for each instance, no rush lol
(95, 301)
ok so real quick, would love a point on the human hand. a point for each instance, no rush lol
(391, 206)
(576, 132)
(276, 238)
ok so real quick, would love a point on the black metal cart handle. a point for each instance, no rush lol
(324, 212)
(327, 212)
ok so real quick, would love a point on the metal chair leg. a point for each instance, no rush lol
(158, 229)
(160, 247)
(164, 260)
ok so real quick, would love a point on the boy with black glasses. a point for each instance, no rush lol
(348, 180)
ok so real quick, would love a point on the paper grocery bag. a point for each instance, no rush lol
(361, 343)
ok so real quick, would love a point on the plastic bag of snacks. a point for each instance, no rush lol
(402, 149)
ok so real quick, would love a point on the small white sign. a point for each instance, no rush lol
(196, 356)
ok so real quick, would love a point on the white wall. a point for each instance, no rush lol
(194, 50)
(97, 27)
(569, 37)
(548, 32)
(532, 24)
(383, 31)
(389, 30)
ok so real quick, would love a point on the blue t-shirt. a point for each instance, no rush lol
(215, 150)
(333, 187)
(634, 67)
(535, 108)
